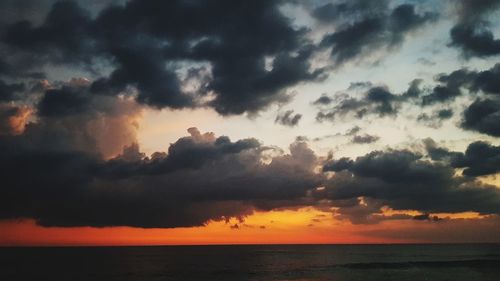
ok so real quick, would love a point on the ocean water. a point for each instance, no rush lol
(254, 262)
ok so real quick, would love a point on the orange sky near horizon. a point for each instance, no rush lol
(303, 226)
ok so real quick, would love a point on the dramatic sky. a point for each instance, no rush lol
(208, 122)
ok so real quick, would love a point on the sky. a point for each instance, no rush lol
(148, 122)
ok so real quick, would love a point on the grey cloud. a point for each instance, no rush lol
(366, 138)
(366, 29)
(403, 180)
(479, 159)
(376, 100)
(200, 178)
(8, 91)
(472, 33)
(436, 118)
(483, 116)
(148, 44)
(323, 100)
(450, 86)
(288, 118)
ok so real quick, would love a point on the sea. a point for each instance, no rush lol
(452, 262)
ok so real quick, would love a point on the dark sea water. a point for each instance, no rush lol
(272, 262)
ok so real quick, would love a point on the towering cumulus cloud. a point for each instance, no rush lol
(73, 181)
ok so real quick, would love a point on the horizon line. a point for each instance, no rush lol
(241, 244)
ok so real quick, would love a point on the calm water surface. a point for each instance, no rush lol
(264, 262)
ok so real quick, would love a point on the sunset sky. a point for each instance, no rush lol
(150, 122)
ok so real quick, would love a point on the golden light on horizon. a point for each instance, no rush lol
(301, 226)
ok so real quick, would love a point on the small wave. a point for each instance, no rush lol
(482, 263)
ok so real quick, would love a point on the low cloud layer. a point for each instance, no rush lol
(202, 178)
(77, 178)
(405, 180)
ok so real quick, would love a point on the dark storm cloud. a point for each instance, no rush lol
(186, 153)
(338, 165)
(470, 10)
(475, 40)
(488, 81)
(472, 34)
(14, 10)
(479, 159)
(438, 153)
(483, 116)
(140, 66)
(444, 113)
(347, 10)
(64, 36)
(200, 178)
(383, 98)
(64, 101)
(406, 180)
(415, 89)
(236, 45)
(288, 118)
(403, 180)
(253, 53)
(368, 26)
(460, 82)
(15, 70)
(8, 91)
(450, 86)
(76, 162)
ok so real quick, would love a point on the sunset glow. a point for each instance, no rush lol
(303, 226)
